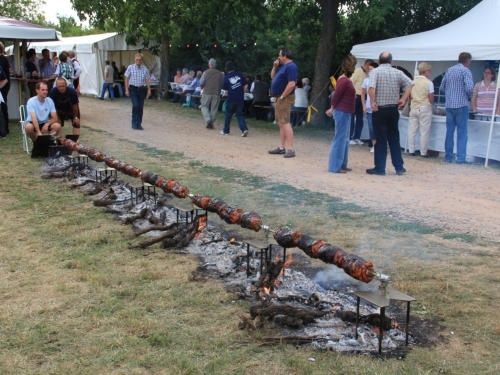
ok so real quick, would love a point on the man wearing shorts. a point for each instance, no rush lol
(42, 115)
(66, 101)
(284, 75)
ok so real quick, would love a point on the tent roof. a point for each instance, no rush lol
(87, 43)
(477, 32)
(11, 29)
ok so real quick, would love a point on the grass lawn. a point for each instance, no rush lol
(76, 300)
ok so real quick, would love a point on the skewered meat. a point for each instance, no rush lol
(287, 238)
(231, 215)
(251, 220)
(180, 191)
(201, 201)
(217, 205)
(149, 177)
(353, 265)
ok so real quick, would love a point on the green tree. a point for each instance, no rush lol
(159, 24)
(26, 10)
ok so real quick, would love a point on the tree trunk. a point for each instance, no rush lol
(324, 57)
(165, 63)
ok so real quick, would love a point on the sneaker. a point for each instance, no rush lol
(359, 142)
(222, 133)
(401, 172)
(289, 154)
(372, 149)
(245, 133)
(353, 142)
(210, 125)
(375, 172)
(277, 151)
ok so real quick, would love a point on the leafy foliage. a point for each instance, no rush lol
(26, 10)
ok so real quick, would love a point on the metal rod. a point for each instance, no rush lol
(248, 259)
(284, 261)
(407, 321)
(358, 301)
(381, 329)
(261, 260)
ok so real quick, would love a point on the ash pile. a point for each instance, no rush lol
(295, 308)
(284, 301)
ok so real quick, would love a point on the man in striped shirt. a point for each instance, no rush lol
(457, 85)
(138, 88)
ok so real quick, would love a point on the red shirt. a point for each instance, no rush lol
(344, 97)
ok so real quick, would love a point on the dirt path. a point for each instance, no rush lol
(459, 198)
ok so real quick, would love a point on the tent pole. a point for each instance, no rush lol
(492, 121)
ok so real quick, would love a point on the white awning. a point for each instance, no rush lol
(476, 32)
(11, 29)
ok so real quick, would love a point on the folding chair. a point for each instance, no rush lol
(23, 120)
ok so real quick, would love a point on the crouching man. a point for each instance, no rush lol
(67, 104)
(42, 115)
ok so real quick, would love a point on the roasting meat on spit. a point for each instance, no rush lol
(353, 265)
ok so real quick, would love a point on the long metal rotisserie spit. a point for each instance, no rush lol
(353, 265)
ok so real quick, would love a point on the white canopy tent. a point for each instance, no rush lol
(476, 32)
(20, 32)
(11, 29)
(92, 51)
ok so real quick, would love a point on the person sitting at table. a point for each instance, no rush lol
(42, 115)
(31, 71)
(186, 78)
(67, 104)
(483, 95)
(178, 76)
(46, 65)
(65, 68)
(55, 59)
(193, 88)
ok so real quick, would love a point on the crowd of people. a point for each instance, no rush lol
(380, 91)
(373, 91)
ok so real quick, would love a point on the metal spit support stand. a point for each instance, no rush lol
(79, 159)
(382, 298)
(102, 173)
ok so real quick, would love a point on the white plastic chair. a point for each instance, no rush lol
(23, 120)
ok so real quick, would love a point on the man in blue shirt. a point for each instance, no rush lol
(233, 84)
(42, 115)
(284, 74)
(457, 85)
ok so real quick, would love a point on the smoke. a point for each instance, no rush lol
(335, 278)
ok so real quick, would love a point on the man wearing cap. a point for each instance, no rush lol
(67, 104)
(138, 88)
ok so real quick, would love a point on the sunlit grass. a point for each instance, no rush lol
(75, 299)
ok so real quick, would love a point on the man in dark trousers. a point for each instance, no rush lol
(384, 89)
(5, 66)
(137, 86)
(233, 84)
(67, 104)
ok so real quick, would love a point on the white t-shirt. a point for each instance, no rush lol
(365, 85)
(300, 98)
